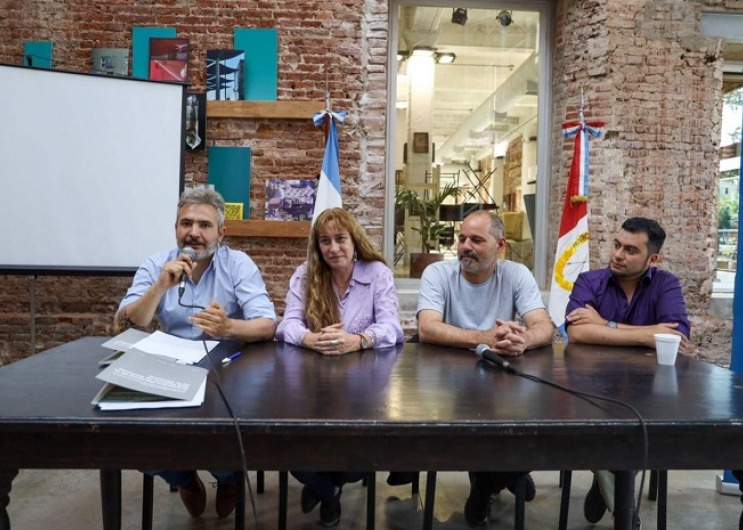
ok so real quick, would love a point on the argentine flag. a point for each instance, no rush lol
(328, 194)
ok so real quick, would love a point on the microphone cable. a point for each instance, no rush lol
(218, 383)
(588, 397)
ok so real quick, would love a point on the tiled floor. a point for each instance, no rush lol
(61, 500)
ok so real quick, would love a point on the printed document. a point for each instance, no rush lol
(138, 377)
(184, 350)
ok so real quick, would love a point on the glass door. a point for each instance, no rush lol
(465, 126)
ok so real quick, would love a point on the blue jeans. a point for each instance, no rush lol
(323, 483)
(181, 478)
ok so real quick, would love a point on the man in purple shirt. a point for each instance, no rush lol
(625, 305)
(628, 302)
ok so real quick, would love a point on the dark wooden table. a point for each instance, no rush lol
(414, 407)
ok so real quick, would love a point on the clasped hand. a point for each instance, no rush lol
(332, 340)
(508, 338)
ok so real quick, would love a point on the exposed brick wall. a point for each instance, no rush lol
(641, 63)
(647, 73)
(341, 43)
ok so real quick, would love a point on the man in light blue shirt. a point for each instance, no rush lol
(225, 282)
(224, 298)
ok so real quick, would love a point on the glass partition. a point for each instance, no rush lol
(465, 127)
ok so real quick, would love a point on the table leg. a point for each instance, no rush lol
(6, 482)
(430, 498)
(111, 498)
(623, 499)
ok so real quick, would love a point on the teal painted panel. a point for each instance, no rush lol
(261, 48)
(229, 171)
(37, 54)
(141, 48)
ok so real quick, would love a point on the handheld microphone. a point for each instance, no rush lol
(188, 251)
(483, 351)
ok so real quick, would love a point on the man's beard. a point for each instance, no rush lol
(470, 262)
(625, 273)
(208, 251)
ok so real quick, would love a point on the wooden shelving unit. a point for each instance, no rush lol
(258, 228)
(288, 110)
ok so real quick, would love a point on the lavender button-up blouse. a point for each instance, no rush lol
(369, 306)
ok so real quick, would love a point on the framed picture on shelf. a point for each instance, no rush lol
(290, 200)
(225, 74)
(109, 61)
(169, 59)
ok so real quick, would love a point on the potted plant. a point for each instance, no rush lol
(430, 227)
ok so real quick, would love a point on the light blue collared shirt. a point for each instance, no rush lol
(232, 279)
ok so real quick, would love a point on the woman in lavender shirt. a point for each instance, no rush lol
(341, 300)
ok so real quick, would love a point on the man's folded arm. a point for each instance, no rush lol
(433, 330)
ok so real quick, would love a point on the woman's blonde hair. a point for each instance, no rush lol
(321, 303)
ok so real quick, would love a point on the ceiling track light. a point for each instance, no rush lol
(505, 18)
(459, 16)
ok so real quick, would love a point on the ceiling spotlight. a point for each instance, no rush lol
(445, 58)
(459, 16)
(505, 18)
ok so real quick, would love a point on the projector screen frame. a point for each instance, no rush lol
(31, 124)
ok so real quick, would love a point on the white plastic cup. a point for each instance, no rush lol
(667, 347)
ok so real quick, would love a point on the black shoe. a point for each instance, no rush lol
(308, 500)
(399, 478)
(330, 512)
(531, 488)
(477, 507)
(594, 507)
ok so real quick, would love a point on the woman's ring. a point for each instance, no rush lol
(334, 344)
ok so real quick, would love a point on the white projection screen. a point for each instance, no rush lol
(91, 168)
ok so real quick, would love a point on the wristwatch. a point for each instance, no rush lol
(364, 343)
(611, 324)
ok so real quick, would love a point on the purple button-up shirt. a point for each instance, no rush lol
(658, 299)
(369, 306)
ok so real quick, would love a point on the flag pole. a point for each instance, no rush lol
(581, 197)
(328, 117)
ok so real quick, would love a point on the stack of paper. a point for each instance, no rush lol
(121, 343)
(158, 343)
(151, 371)
(139, 380)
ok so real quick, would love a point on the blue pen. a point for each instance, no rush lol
(231, 358)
